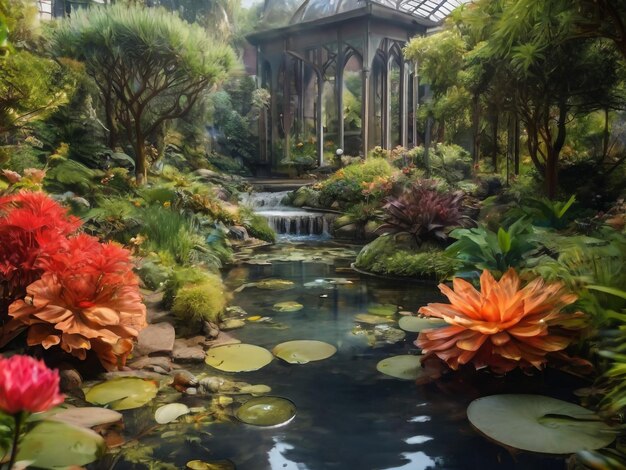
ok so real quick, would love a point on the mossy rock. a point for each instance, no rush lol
(398, 257)
(203, 298)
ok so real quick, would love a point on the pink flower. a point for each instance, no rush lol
(27, 385)
(11, 176)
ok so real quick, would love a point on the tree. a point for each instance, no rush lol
(31, 86)
(151, 62)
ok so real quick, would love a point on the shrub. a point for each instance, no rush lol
(388, 256)
(424, 213)
(196, 303)
(257, 225)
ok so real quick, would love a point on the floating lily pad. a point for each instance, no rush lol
(255, 389)
(405, 367)
(384, 310)
(86, 417)
(274, 284)
(414, 324)
(303, 351)
(255, 318)
(266, 411)
(170, 412)
(217, 465)
(371, 319)
(539, 424)
(53, 444)
(289, 306)
(123, 393)
(238, 357)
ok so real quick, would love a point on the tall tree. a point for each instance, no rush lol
(155, 64)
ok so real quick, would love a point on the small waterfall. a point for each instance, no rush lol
(286, 220)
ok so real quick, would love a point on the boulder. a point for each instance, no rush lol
(158, 337)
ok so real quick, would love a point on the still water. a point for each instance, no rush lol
(349, 416)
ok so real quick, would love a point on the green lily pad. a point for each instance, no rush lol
(539, 424)
(255, 390)
(170, 412)
(52, 444)
(303, 351)
(86, 417)
(371, 319)
(405, 367)
(123, 393)
(289, 306)
(217, 465)
(274, 284)
(384, 310)
(266, 411)
(414, 324)
(238, 357)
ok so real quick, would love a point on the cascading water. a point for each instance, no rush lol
(286, 220)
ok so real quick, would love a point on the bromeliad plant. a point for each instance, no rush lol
(69, 291)
(503, 326)
(424, 213)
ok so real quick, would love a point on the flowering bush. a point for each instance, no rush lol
(69, 291)
(501, 327)
(31, 226)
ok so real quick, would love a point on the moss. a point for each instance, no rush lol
(257, 225)
(200, 302)
(183, 277)
(390, 256)
(305, 196)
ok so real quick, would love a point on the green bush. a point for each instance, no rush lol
(346, 185)
(450, 162)
(178, 278)
(388, 255)
(200, 302)
(257, 225)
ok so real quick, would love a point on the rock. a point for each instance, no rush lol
(183, 380)
(239, 232)
(70, 380)
(150, 362)
(231, 324)
(210, 329)
(223, 339)
(233, 311)
(158, 337)
(189, 353)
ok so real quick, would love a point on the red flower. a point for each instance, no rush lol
(27, 385)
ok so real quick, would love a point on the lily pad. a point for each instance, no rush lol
(414, 324)
(52, 444)
(384, 310)
(539, 424)
(217, 465)
(266, 411)
(86, 417)
(405, 367)
(255, 390)
(123, 393)
(289, 306)
(170, 412)
(303, 351)
(238, 357)
(371, 319)
(274, 284)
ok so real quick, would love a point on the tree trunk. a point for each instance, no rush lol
(494, 153)
(476, 130)
(606, 135)
(141, 169)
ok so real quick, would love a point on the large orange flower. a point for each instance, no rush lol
(501, 327)
(87, 299)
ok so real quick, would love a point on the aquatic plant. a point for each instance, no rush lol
(87, 299)
(502, 326)
(424, 213)
(31, 224)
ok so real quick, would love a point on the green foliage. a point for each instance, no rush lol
(200, 302)
(424, 213)
(480, 248)
(389, 256)
(257, 225)
(113, 219)
(158, 194)
(170, 63)
(449, 162)
(304, 196)
(179, 277)
(346, 185)
(543, 212)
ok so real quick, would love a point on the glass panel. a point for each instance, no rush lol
(394, 103)
(377, 90)
(352, 106)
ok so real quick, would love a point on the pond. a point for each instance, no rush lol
(349, 416)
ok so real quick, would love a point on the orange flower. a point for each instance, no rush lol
(501, 327)
(87, 299)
